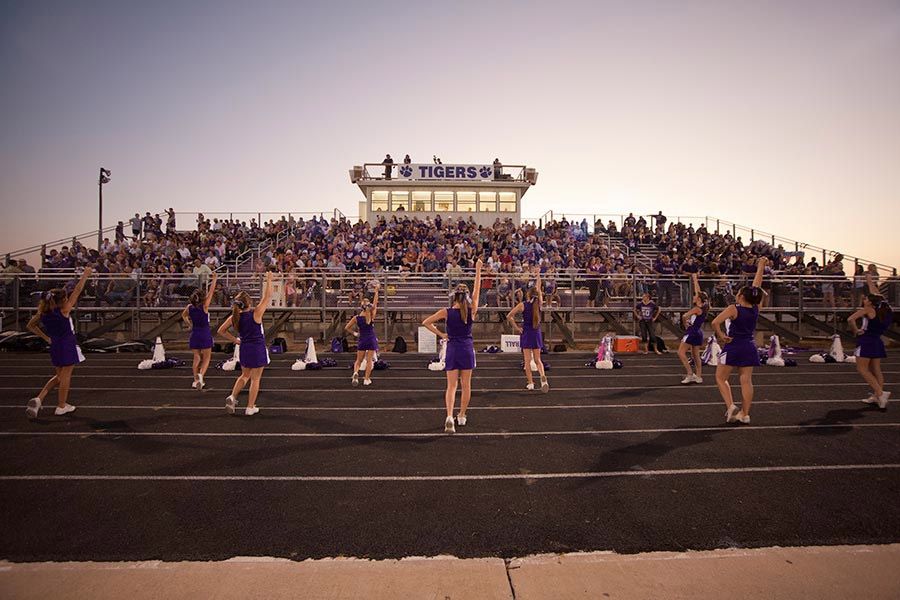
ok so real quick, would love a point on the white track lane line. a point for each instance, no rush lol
(175, 407)
(499, 476)
(375, 389)
(438, 434)
(518, 375)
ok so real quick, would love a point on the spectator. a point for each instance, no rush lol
(388, 163)
(136, 223)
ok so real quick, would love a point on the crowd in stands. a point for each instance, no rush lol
(304, 249)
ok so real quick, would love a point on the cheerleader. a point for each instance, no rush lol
(877, 316)
(460, 357)
(368, 341)
(531, 340)
(53, 324)
(739, 347)
(693, 321)
(253, 355)
(196, 315)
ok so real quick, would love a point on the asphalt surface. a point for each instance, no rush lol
(624, 460)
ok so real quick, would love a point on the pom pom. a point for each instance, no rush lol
(299, 365)
(817, 358)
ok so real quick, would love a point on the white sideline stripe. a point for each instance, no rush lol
(267, 434)
(435, 390)
(498, 476)
(167, 374)
(441, 408)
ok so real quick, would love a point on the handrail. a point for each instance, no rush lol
(37, 247)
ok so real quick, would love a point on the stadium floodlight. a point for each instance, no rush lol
(105, 175)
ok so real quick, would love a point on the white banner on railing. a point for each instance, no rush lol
(509, 343)
(429, 172)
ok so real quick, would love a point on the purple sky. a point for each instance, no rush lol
(780, 115)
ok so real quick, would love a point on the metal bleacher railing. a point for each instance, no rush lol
(576, 301)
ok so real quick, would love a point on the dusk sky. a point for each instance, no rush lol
(780, 115)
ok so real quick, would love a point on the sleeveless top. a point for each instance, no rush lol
(249, 330)
(743, 326)
(199, 318)
(695, 323)
(457, 329)
(527, 324)
(366, 330)
(57, 326)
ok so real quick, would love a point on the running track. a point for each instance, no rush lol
(624, 460)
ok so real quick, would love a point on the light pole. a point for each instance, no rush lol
(104, 178)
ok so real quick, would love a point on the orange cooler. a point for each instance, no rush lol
(626, 343)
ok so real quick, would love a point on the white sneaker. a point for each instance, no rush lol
(64, 410)
(882, 401)
(698, 379)
(449, 427)
(731, 413)
(34, 405)
(530, 386)
(354, 381)
(251, 411)
(871, 399)
(230, 405)
(461, 420)
(687, 380)
(742, 418)
(367, 382)
(201, 385)
(545, 387)
(194, 386)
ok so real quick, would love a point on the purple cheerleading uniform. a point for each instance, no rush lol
(460, 346)
(253, 351)
(869, 343)
(741, 351)
(201, 336)
(694, 334)
(367, 338)
(531, 337)
(64, 349)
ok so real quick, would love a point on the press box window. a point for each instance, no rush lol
(487, 201)
(443, 201)
(507, 201)
(399, 201)
(421, 201)
(379, 201)
(465, 201)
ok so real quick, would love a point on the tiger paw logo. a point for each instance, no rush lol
(485, 172)
(406, 170)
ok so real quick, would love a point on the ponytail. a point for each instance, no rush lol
(196, 298)
(51, 300)
(535, 307)
(704, 303)
(751, 294)
(238, 305)
(461, 297)
(883, 310)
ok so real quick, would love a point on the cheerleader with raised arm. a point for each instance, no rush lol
(53, 324)
(692, 321)
(253, 353)
(196, 315)
(739, 346)
(877, 316)
(460, 356)
(368, 340)
(531, 340)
